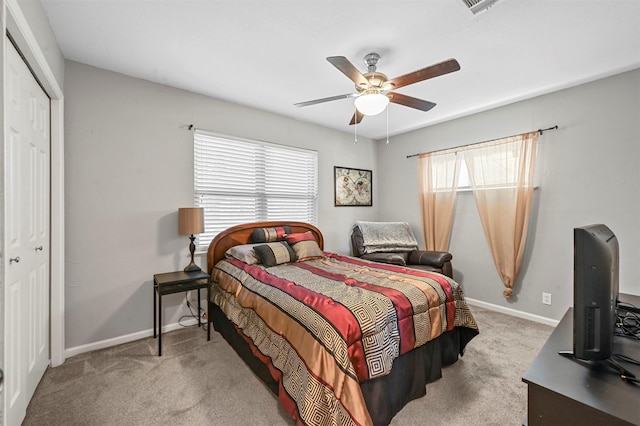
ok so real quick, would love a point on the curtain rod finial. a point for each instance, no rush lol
(541, 131)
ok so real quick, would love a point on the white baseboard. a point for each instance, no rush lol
(77, 350)
(512, 312)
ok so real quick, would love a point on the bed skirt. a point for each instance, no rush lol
(385, 396)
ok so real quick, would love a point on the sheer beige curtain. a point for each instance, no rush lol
(501, 175)
(438, 181)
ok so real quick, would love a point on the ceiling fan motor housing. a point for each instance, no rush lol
(371, 60)
(375, 79)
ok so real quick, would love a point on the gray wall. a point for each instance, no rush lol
(588, 172)
(129, 167)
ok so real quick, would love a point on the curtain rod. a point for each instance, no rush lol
(540, 131)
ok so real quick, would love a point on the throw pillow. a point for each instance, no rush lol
(269, 235)
(272, 254)
(305, 246)
(243, 252)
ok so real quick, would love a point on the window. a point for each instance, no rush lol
(501, 164)
(464, 181)
(496, 167)
(239, 181)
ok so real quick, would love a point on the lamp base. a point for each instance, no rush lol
(192, 267)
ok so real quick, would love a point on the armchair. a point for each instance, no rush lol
(370, 240)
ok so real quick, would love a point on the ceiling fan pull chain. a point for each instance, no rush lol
(387, 125)
(355, 127)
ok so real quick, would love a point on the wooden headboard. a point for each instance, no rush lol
(241, 234)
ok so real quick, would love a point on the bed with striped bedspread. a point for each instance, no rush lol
(324, 326)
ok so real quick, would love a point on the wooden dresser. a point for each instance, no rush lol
(565, 391)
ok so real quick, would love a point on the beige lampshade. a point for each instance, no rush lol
(190, 220)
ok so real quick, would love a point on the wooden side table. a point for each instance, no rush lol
(175, 282)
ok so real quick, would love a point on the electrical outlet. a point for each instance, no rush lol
(546, 298)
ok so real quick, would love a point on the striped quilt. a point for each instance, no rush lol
(322, 326)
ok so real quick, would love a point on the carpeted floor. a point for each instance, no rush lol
(197, 382)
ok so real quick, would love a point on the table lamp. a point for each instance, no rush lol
(191, 221)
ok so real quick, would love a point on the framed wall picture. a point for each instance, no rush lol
(353, 187)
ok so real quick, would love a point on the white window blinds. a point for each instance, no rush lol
(240, 181)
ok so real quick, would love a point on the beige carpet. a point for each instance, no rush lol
(197, 382)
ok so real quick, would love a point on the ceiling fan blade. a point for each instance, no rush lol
(450, 65)
(348, 69)
(411, 102)
(329, 99)
(357, 118)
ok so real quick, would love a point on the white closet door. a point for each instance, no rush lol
(27, 165)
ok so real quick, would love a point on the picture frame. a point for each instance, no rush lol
(352, 187)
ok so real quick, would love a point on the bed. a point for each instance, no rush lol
(340, 340)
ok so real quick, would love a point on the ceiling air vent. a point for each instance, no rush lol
(476, 6)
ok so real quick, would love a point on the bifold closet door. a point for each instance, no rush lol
(27, 236)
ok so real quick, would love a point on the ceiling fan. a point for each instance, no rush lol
(374, 90)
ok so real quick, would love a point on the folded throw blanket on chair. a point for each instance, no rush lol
(387, 236)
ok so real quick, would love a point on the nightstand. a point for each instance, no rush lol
(175, 282)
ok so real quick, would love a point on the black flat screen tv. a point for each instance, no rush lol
(595, 291)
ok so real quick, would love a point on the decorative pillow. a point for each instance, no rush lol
(272, 254)
(305, 246)
(244, 252)
(269, 235)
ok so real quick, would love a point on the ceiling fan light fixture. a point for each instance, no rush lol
(371, 103)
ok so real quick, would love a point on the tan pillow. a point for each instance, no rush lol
(305, 246)
(244, 253)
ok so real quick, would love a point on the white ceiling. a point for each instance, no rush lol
(271, 54)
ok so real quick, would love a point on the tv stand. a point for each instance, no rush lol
(623, 372)
(562, 391)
